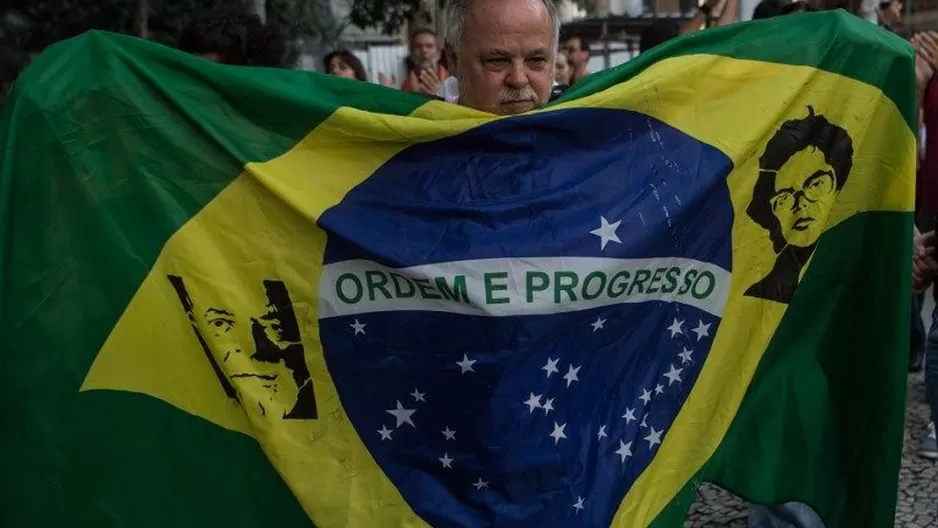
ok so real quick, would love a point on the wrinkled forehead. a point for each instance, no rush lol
(423, 39)
(518, 27)
(215, 298)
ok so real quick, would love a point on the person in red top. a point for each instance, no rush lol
(425, 74)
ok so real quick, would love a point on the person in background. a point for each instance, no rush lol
(233, 36)
(661, 31)
(344, 63)
(926, 62)
(424, 73)
(704, 15)
(577, 49)
(889, 14)
(563, 70)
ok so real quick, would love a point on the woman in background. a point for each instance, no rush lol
(344, 63)
(563, 70)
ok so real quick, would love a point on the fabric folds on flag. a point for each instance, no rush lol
(251, 297)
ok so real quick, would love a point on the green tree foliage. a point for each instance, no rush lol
(29, 26)
(386, 15)
(306, 19)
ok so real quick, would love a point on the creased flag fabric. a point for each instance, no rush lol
(250, 297)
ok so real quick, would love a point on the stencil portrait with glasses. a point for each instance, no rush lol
(803, 168)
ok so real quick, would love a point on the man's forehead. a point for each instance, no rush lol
(509, 26)
(424, 38)
(212, 298)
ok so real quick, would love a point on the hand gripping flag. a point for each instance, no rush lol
(247, 297)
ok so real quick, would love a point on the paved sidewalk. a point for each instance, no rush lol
(918, 489)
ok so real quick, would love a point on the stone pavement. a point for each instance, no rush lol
(918, 489)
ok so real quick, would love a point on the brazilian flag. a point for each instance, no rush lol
(244, 297)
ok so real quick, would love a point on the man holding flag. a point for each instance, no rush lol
(317, 300)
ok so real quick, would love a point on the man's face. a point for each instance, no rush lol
(506, 62)
(804, 195)
(245, 344)
(578, 56)
(424, 51)
(562, 69)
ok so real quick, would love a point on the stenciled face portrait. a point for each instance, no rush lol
(804, 166)
(804, 195)
(255, 350)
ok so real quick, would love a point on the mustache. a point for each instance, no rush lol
(513, 96)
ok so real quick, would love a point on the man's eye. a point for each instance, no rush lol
(496, 62)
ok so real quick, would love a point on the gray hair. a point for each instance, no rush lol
(454, 20)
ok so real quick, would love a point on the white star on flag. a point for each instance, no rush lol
(675, 328)
(481, 484)
(629, 416)
(685, 356)
(385, 433)
(673, 375)
(418, 396)
(644, 423)
(551, 366)
(548, 406)
(534, 402)
(598, 324)
(702, 330)
(466, 364)
(646, 396)
(659, 389)
(602, 433)
(625, 450)
(653, 438)
(578, 505)
(446, 460)
(358, 327)
(558, 432)
(571, 375)
(403, 415)
(449, 434)
(606, 232)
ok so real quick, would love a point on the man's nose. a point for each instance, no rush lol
(517, 75)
